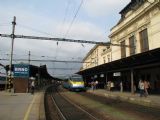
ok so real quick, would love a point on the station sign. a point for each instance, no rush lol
(117, 74)
(95, 76)
(102, 75)
(21, 70)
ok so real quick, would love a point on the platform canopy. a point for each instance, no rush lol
(141, 60)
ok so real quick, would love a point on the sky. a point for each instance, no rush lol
(54, 18)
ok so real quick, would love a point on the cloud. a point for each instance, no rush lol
(38, 24)
(82, 30)
(103, 7)
(30, 24)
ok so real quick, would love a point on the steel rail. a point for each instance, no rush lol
(59, 111)
(79, 108)
(76, 106)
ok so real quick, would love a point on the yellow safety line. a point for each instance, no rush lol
(29, 109)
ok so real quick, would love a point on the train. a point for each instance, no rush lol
(74, 83)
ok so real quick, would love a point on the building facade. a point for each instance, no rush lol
(96, 56)
(137, 57)
(138, 27)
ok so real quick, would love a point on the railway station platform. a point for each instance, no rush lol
(150, 100)
(22, 106)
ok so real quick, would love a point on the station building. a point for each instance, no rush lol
(138, 54)
(24, 73)
(96, 56)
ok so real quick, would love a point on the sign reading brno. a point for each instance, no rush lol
(21, 70)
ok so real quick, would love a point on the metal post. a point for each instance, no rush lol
(106, 80)
(132, 82)
(29, 54)
(85, 80)
(29, 57)
(6, 82)
(39, 68)
(11, 55)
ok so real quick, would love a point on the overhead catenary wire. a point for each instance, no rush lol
(81, 52)
(34, 56)
(74, 17)
(64, 20)
(64, 40)
(62, 27)
(55, 39)
(39, 60)
(34, 29)
(42, 32)
(63, 68)
(65, 15)
(5, 24)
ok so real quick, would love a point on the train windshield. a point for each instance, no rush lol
(77, 78)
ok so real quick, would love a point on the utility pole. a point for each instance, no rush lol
(29, 60)
(29, 57)
(11, 55)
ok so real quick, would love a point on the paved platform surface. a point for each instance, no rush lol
(24, 106)
(21, 106)
(150, 101)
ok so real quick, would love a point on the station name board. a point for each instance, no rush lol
(117, 74)
(21, 70)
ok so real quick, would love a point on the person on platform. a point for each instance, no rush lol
(93, 85)
(121, 86)
(96, 84)
(146, 87)
(112, 86)
(109, 85)
(141, 88)
(32, 86)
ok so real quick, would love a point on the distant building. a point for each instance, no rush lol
(106, 55)
(23, 73)
(98, 55)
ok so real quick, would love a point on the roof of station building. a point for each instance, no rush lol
(136, 61)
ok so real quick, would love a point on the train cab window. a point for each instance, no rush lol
(77, 78)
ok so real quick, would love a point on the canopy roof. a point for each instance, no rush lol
(136, 61)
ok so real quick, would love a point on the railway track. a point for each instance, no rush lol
(62, 105)
(66, 109)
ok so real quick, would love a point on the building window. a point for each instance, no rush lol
(108, 56)
(108, 47)
(103, 50)
(95, 62)
(104, 59)
(132, 44)
(123, 49)
(144, 40)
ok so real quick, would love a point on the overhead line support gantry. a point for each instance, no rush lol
(62, 39)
